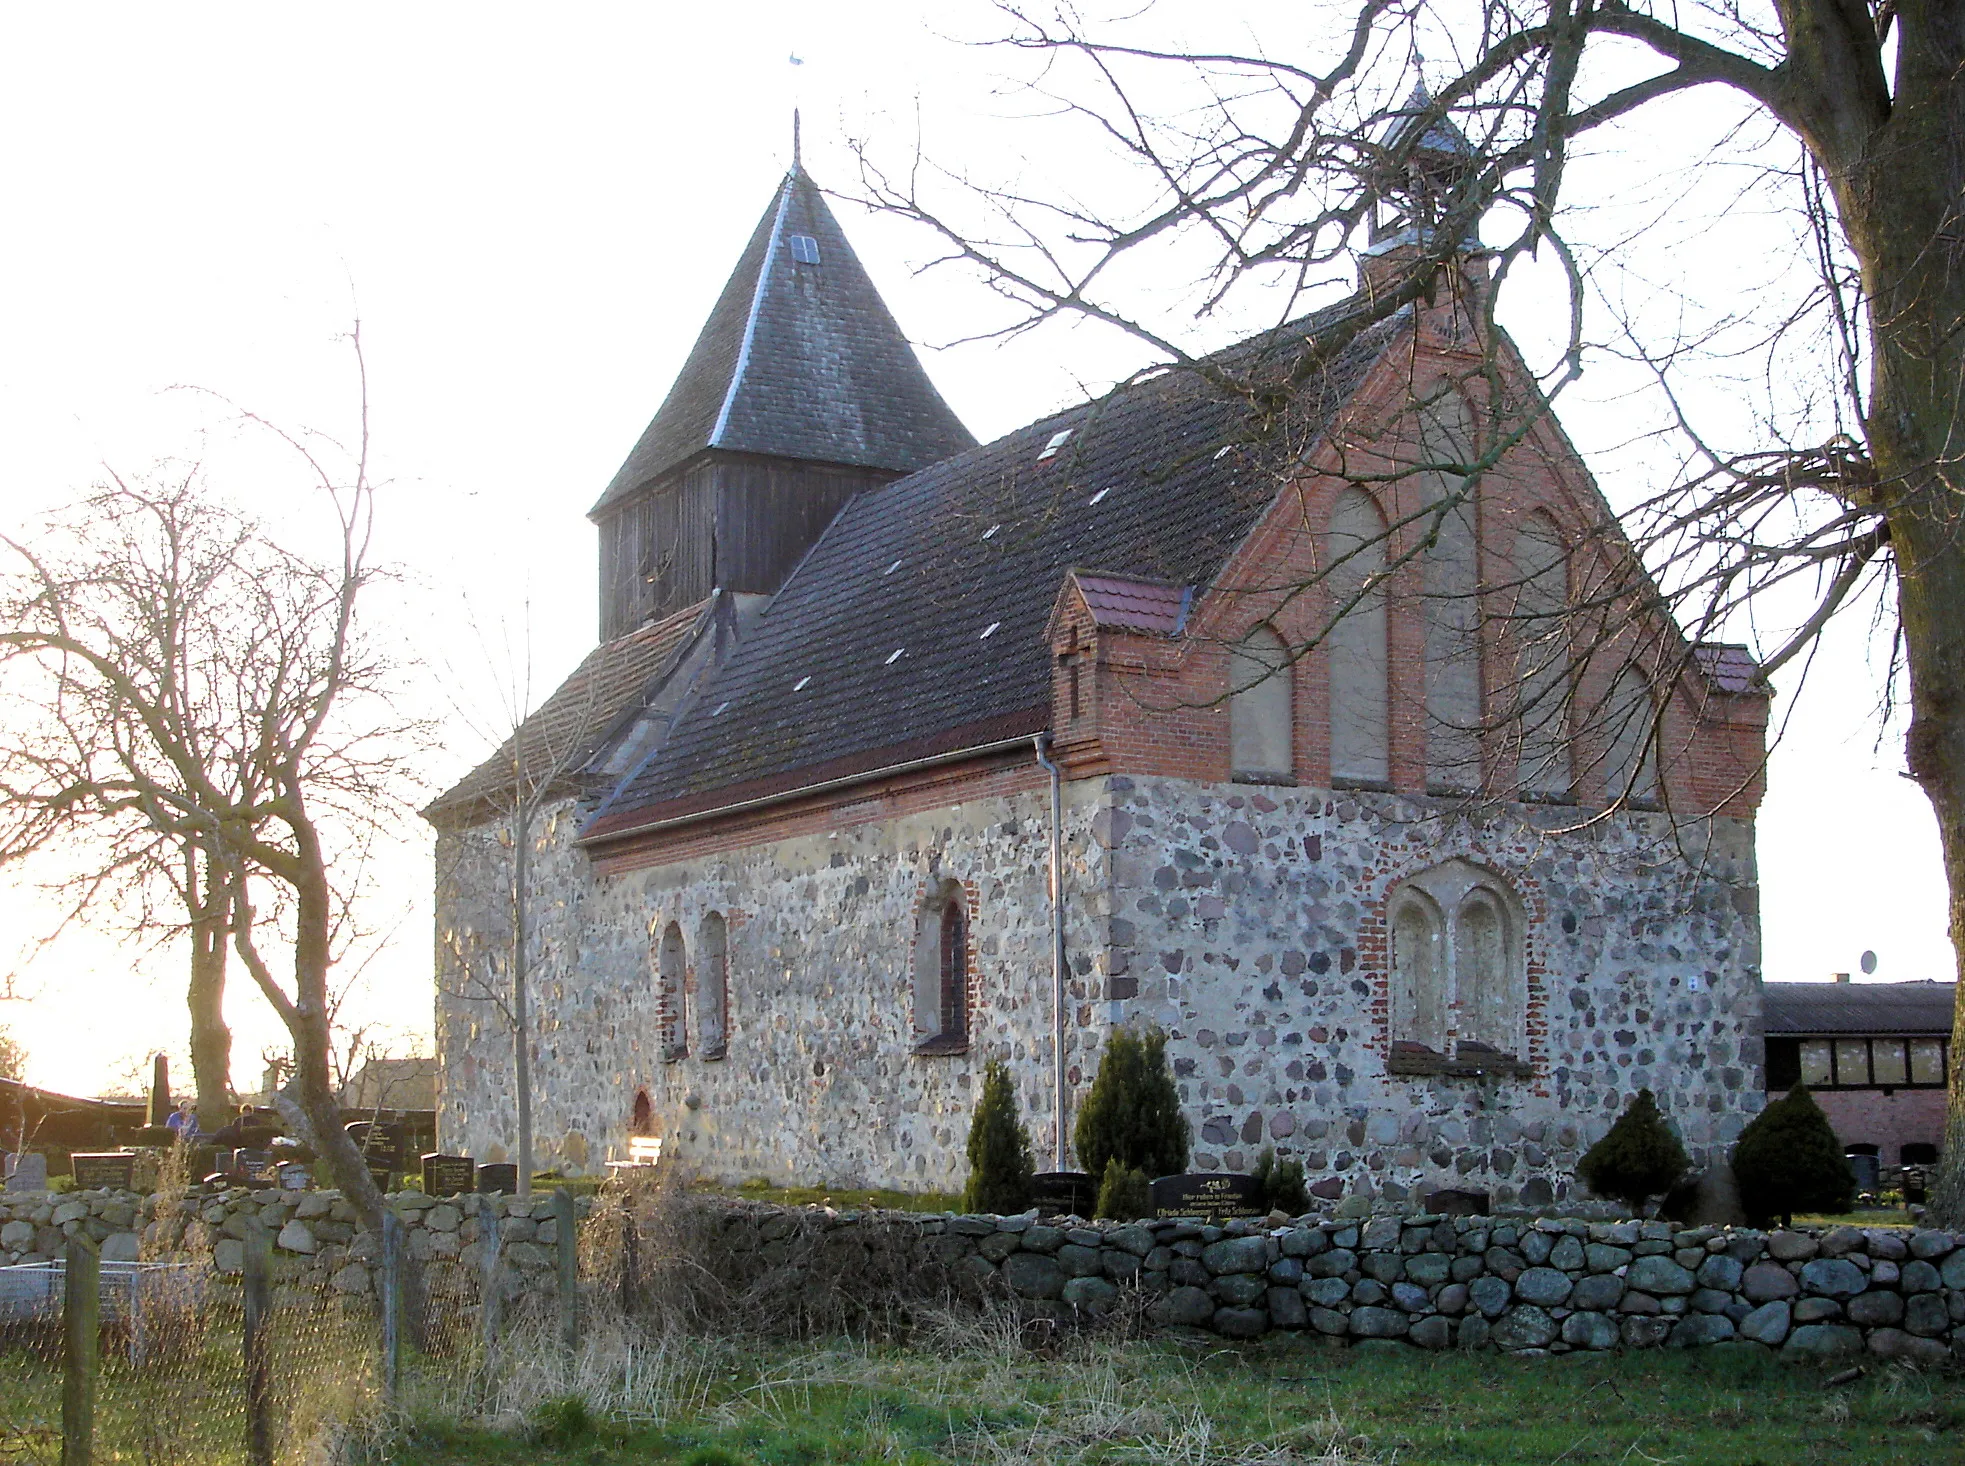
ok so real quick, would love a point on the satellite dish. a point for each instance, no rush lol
(1868, 963)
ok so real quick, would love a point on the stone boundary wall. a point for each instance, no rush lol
(317, 1247)
(1522, 1286)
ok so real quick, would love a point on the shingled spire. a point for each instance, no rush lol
(802, 379)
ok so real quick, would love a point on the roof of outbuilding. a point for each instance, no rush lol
(1857, 1007)
(916, 623)
(568, 728)
(1730, 669)
(798, 359)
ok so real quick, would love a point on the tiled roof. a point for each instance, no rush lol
(799, 359)
(1858, 1007)
(1730, 669)
(569, 727)
(921, 611)
(1134, 605)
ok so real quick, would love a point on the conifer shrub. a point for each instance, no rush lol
(1640, 1158)
(1279, 1184)
(1125, 1194)
(1788, 1160)
(999, 1149)
(1132, 1113)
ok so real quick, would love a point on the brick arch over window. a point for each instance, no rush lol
(1459, 973)
(672, 970)
(713, 986)
(1261, 707)
(1358, 681)
(941, 970)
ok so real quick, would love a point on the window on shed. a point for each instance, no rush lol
(1539, 629)
(1927, 1061)
(1783, 1065)
(1261, 717)
(1887, 1061)
(1851, 1061)
(941, 971)
(672, 966)
(1919, 1153)
(1358, 686)
(713, 986)
(1815, 1070)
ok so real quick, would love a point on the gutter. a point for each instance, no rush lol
(1041, 743)
(765, 801)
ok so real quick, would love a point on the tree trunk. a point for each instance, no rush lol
(1899, 203)
(211, 1040)
(521, 1020)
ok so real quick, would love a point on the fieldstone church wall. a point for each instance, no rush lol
(1247, 921)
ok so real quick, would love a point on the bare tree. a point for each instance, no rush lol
(179, 684)
(495, 815)
(1274, 171)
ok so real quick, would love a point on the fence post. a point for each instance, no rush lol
(392, 1302)
(258, 1276)
(81, 1354)
(492, 1244)
(630, 1256)
(569, 1270)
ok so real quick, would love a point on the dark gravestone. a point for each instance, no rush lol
(1063, 1193)
(380, 1144)
(499, 1176)
(255, 1165)
(1211, 1196)
(107, 1168)
(449, 1175)
(1915, 1185)
(1457, 1203)
(382, 1173)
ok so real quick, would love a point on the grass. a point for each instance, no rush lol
(978, 1398)
(839, 1197)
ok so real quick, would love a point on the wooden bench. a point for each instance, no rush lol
(644, 1151)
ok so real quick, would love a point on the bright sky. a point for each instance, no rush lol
(531, 210)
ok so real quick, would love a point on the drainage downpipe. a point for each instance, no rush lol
(1042, 742)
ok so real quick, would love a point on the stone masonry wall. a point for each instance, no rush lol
(1553, 1285)
(820, 1083)
(317, 1248)
(1249, 922)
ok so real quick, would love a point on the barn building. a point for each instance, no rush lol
(1424, 868)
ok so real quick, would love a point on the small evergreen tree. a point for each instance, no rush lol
(1788, 1160)
(1640, 1158)
(1132, 1113)
(1279, 1184)
(999, 1149)
(1124, 1195)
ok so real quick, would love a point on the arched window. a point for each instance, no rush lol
(672, 967)
(1489, 1011)
(1628, 735)
(1260, 709)
(941, 971)
(1459, 987)
(1419, 990)
(1357, 641)
(713, 987)
(642, 1121)
(1540, 632)
(1450, 595)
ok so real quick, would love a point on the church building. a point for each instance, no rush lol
(1305, 705)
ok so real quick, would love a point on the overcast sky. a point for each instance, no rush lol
(530, 211)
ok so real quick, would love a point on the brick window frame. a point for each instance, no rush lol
(942, 978)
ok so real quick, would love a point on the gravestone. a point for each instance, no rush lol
(1457, 1203)
(97, 1169)
(257, 1165)
(295, 1177)
(498, 1176)
(449, 1175)
(1063, 1193)
(30, 1172)
(381, 1143)
(383, 1174)
(1213, 1196)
